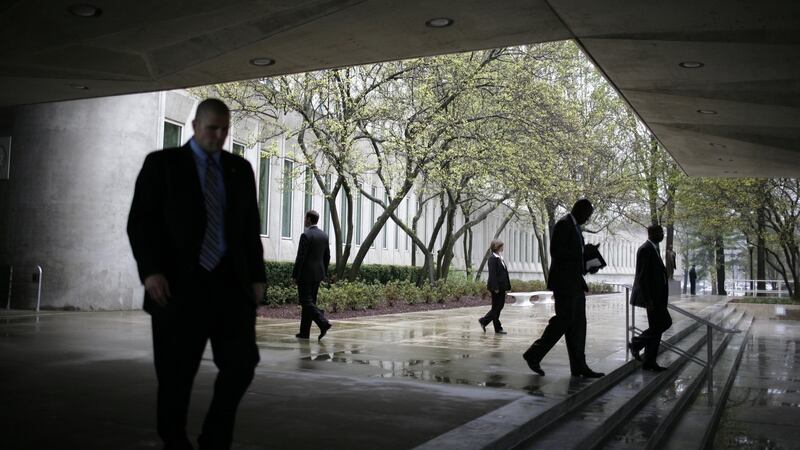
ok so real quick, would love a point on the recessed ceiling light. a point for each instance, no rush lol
(691, 64)
(85, 10)
(719, 159)
(78, 86)
(439, 22)
(262, 62)
(706, 111)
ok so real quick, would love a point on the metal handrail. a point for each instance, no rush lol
(703, 321)
(631, 329)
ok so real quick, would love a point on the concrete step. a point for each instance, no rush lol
(654, 420)
(510, 425)
(590, 425)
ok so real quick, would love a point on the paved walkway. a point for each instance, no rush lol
(86, 381)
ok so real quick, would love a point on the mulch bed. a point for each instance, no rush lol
(293, 311)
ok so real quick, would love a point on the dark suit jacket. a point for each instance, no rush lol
(498, 276)
(167, 220)
(566, 260)
(313, 257)
(650, 282)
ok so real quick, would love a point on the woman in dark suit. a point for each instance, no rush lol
(498, 284)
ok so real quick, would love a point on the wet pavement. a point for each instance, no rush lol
(86, 381)
(763, 409)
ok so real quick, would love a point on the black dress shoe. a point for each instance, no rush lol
(500, 332)
(588, 373)
(534, 365)
(301, 336)
(636, 353)
(323, 330)
(483, 325)
(653, 368)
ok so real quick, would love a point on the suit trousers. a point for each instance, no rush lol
(207, 306)
(659, 321)
(307, 295)
(498, 302)
(570, 322)
(692, 285)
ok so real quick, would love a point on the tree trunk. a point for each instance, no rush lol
(719, 250)
(761, 252)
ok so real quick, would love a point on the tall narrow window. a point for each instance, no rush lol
(286, 212)
(525, 244)
(172, 135)
(343, 213)
(358, 201)
(386, 225)
(238, 149)
(263, 192)
(326, 210)
(309, 190)
(372, 206)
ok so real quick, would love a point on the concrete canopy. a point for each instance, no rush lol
(736, 115)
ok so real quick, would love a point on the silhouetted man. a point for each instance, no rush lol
(194, 231)
(567, 269)
(310, 268)
(692, 280)
(650, 291)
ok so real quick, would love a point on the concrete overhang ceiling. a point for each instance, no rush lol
(749, 51)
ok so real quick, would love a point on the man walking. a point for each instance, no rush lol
(650, 291)
(567, 269)
(194, 231)
(692, 280)
(310, 268)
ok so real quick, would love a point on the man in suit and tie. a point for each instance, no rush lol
(310, 268)
(692, 279)
(650, 291)
(194, 231)
(567, 269)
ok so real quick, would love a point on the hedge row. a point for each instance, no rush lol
(358, 295)
(279, 273)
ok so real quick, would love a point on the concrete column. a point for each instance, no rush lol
(73, 170)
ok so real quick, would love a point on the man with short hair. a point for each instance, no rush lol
(310, 268)
(567, 268)
(194, 231)
(650, 291)
(692, 280)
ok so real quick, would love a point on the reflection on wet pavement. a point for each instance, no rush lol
(763, 409)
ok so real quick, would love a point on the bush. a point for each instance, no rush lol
(280, 295)
(279, 273)
(528, 285)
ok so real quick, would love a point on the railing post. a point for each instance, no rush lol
(710, 366)
(39, 289)
(627, 325)
(10, 283)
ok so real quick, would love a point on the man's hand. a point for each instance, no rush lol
(258, 292)
(157, 288)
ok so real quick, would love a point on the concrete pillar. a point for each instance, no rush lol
(65, 207)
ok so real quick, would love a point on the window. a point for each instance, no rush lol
(326, 210)
(372, 207)
(238, 149)
(172, 134)
(525, 244)
(343, 213)
(359, 201)
(309, 190)
(286, 212)
(263, 192)
(386, 225)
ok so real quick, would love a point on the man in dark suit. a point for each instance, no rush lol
(194, 231)
(692, 280)
(310, 268)
(567, 268)
(650, 291)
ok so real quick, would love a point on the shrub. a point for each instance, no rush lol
(280, 295)
(528, 285)
(279, 273)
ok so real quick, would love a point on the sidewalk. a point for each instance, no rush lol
(85, 380)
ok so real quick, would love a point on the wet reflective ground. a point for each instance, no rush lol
(763, 410)
(86, 381)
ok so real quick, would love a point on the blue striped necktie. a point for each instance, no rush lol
(210, 253)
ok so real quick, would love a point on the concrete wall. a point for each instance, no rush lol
(65, 207)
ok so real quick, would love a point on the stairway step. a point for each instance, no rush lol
(655, 418)
(588, 426)
(699, 421)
